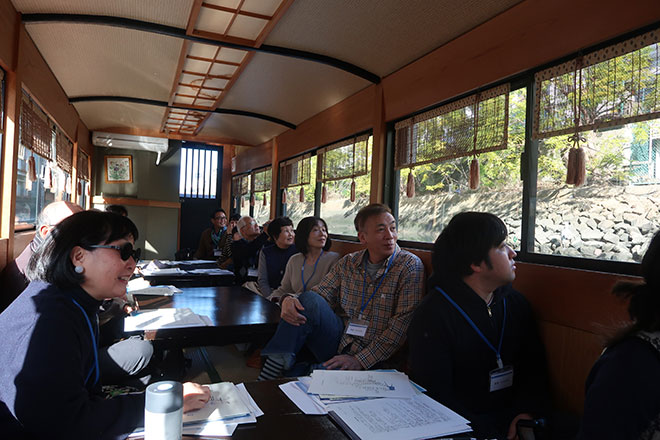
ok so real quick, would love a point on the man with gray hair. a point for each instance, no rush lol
(246, 250)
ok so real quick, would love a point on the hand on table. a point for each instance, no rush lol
(195, 396)
(290, 308)
(343, 362)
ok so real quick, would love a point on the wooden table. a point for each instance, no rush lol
(237, 314)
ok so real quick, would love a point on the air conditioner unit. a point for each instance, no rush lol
(113, 140)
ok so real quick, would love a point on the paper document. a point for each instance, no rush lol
(253, 273)
(194, 262)
(225, 404)
(307, 403)
(214, 271)
(163, 272)
(163, 318)
(157, 290)
(361, 384)
(400, 419)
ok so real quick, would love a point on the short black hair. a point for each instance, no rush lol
(369, 211)
(52, 262)
(117, 209)
(466, 240)
(217, 211)
(275, 227)
(234, 217)
(303, 230)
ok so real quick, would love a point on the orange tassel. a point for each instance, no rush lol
(89, 189)
(79, 189)
(353, 190)
(324, 195)
(284, 196)
(242, 202)
(410, 185)
(252, 199)
(474, 173)
(235, 202)
(32, 170)
(302, 195)
(580, 166)
(571, 170)
(265, 202)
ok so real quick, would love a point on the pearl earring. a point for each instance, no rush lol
(79, 269)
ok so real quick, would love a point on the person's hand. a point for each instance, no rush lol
(343, 362)
(195, 396)
(513, 429)
(290, 308)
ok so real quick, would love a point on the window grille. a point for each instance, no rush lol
(342, 160)
(198, 175)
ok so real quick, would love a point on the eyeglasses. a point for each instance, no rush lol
(125, 250)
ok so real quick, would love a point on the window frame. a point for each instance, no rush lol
(218, 184)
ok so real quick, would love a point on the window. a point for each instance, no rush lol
(605, 104)
(240, 191)
(298, 181)
(261, 181)
(198, 175)
(344, 170)
(39, 180)
(439, 146)
(84, 189)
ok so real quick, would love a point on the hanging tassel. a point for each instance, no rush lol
(301, 197)
(410, 185)
(235, 202)
(28, 185)
(252, 199)
(79, 189)
(324, 195)
(67, 185)
(353, 190)
(571, 166)
(580, 166)
(89, 189)
(474, 173)
(284, 196)
(265, 203)
(242, 202)
(32, 170)
(48, 177)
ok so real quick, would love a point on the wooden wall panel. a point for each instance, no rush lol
(530, 34)
(21, 240)
(84, 139)
(8, 25)
(44, 87)
(249, 158)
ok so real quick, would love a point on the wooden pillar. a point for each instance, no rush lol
(227, 153)
(378, 149)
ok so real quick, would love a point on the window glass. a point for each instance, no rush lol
(338, 211)
(614, 214)
(295, 209)
(442, 188)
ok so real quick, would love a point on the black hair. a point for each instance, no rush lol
(466, 240)
(369, 211)
(217, 211)
(275, 227)
(644, 305)
(303, 230)
(117, 209)
(235, 217)
(52, 263)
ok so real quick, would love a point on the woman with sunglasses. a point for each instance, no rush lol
(305, 269)
(49, 382)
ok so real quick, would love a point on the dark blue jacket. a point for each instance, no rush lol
(276, 260)
(47, 377)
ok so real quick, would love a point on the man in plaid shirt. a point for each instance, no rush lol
(359, 315)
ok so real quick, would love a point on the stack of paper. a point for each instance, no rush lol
(374, 405)
(164, 318)
(211, 271)
(230, 405)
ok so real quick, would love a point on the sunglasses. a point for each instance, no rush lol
(126, 250)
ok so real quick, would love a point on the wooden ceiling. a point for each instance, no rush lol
(232, 71)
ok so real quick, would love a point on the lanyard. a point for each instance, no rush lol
(474, 326)
(302, 272)
(364, 284)
(96, 356)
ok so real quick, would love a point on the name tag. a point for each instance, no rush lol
(217, 252)
(501, 378)
(357, 327)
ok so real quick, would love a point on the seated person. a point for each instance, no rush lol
(49, 386)
(122, 362)
(245, 250)
(214, 238)
(314, 245)
(358, 316)
(273, 257)
(473, 325)
(117, 209)
(225, 261)
(624, 384)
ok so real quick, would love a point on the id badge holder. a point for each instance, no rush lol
(357, 327)
(217, 252)
(501, 378)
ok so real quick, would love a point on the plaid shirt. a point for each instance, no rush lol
(388, 313)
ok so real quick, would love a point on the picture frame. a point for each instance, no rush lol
(118, 169)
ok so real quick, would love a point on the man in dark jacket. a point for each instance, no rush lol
(473, 340)
(245, 251)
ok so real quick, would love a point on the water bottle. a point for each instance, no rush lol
(163, 411)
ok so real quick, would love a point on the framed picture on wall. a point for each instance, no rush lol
(118, 169)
